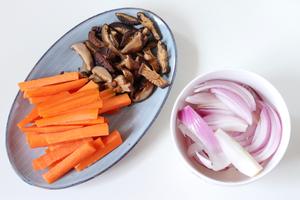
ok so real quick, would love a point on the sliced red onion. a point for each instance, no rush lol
(275, 136)
(206, 100)
(262, 132)
(237, 89)
(234, 103)
(208, 111)
(189, 118)
(226, 122)
(237, 155)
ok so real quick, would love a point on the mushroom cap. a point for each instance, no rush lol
(102, 73)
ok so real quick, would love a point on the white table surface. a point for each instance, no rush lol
(261, 36)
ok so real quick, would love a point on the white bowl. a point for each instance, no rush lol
(267, 91)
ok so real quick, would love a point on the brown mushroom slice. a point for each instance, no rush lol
(127, 62)
(102, 73)
(152, 76)
(144, 92)
(126, 37)
(150, 45)
(92, 37)
(121, 28)
(85, 54)
(127, 19)
(152, 60)
(162, 56)
(123, 84)
(90, 46)
(135, 44)
(106, 38)
(128, 75)
(83, 71)
(148, 23)
(106, 52)
(95, 78)
(101, 61)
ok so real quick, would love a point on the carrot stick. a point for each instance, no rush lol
(65, 77)
(55, 102)
(54, 89)
(69, 162)
(107, 96)
(62, 144)
(55, 163)
(115, 103)
(59, 153)
(106, 92)
(90, 85)
(100, 120)
(94, 105)
(33, 115)
(46, 139)
(67, 106)
(39, 100)
(49, 129)
(111, 112)
(69, 117)
(111, 142)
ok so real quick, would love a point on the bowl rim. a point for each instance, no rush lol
(139, 138)
(205, 178)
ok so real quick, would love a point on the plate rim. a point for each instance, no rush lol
(138, 139)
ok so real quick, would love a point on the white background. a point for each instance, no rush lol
(261, 36)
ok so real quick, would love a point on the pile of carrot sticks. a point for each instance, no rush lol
(65, 120)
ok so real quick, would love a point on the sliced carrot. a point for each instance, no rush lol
(55, 163)
(46, 139)
(111, 142)
(93, 105)
(106, 92)
(55, 97)
(65, 77)
(115, 103)
(108, 96)
(100, 120)
(69, 117)
(90, 85)
(67, 106)
(111, 112)
(55, 102)
(69, 162)
(49, 129)
(51, 157)
(54, 89)
(62, 144)
(33, 115)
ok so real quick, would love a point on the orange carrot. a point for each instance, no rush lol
(46, 139)
(55, 163)
(108, 96)
(111, 142)
(94, 105)
(106, 92)
(65, 77)
(49, 129)
(69, 162)
(55, 102)
(62, 144)
(90, 85)
(115, 103)
(100, 120)
(69, 117)
(111, 112)
(54, 89)
(33, 115)
(39, 100)
(59, 153)
(67, 106)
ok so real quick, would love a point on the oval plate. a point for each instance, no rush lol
(132, 122)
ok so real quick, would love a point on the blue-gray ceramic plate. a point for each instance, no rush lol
(132, 122)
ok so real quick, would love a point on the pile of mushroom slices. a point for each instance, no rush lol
(226, 124)
(127, 56)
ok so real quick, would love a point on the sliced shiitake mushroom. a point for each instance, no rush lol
(121, 28)
(127, 19)
(124, 85)
(127, 62)
(106, 52)
(106, 38)
(128, 75)
(152, 76)
(152, 60)
(135, 44)
(126, 38)
(85, 54)
(95, 78)
(162, 56)
(92, 37)
(83, 71)
(90, 46)
(102, 73)
(150, 45)
(148, 23)
(144, 91)
(101, 61)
